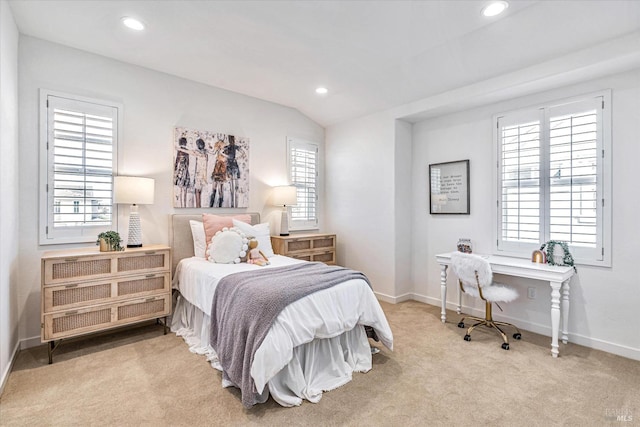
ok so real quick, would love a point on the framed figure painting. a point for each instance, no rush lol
(210, 170)
(449, 188)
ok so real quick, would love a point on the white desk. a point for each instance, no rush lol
(558, 278)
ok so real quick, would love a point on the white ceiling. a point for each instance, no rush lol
(371, 55)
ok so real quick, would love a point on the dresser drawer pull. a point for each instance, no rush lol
(150, 252)
(71, 259)
(148, 276)
(69, 313)
(150, 299)
(71, 286)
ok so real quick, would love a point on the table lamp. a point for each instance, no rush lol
(134, 191)
(285, 195)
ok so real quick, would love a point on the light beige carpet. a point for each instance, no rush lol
(140, 377)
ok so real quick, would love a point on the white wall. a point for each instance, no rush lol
(360, 204)
(604, 301)
(403, 187)
(9, 184)
(153, 104)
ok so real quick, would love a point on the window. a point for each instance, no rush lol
(553, 178)
(78, 160)
(303, 173)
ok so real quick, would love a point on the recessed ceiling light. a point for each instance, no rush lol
(322, 90)
(495, 8)
(132, 23)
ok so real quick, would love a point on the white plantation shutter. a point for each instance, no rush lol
(520, 192)
(574, 182)
(551, 174)
(81, 140)
(303, 171)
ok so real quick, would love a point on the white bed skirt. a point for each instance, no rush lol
(320, 365)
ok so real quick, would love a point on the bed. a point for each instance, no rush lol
(314, 344)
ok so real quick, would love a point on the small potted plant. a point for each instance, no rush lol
(109, 241)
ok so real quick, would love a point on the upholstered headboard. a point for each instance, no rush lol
(180, 238)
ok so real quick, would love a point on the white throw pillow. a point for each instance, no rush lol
(260, 232)
(199, 239)
(227, 246)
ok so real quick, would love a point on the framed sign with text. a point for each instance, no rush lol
(449, 188)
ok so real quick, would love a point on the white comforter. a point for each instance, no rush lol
(324, 314)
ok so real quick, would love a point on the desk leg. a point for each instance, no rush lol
(555, 316)
(443, 292)
(565, 311)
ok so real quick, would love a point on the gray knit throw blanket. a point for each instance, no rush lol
(246, 304)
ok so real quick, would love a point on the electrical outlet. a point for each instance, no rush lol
(531, 293)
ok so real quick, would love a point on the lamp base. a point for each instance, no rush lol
(284, 222)
(135, 229)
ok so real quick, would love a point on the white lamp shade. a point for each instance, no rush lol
(285, 195)
(133, 190)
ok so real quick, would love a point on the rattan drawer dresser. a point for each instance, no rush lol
(309, 247)
(85, 290)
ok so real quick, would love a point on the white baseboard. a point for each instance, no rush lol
(393, 300)
(5, 374)
(596, 344)
(426, 300)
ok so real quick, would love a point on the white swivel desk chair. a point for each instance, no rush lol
(476, 279)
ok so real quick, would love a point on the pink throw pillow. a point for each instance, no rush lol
(213, 223)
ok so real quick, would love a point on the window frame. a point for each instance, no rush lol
(601, 254)
(293, 142)
(81, 234)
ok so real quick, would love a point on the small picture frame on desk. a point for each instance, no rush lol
(449, 188)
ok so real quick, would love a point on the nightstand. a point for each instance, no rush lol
(86, 291)
(309, 247)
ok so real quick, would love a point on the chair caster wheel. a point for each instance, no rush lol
(517, 336)
(461, 325)
(505, 346)
(467, 337)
